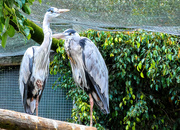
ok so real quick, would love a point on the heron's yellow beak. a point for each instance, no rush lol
(59, 36)
(63, 10)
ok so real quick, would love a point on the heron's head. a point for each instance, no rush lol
(54, 12)
(67, 34)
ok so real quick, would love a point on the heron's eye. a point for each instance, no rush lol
(70, 33)
(51, 11)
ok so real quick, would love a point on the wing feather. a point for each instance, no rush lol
(95, 65)
(96, 68)
(24, 76)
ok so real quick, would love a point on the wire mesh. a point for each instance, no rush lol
(113, 15)
(53, 103)
(108, 15)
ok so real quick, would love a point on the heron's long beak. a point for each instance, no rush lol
(59, 36)
(63, 10)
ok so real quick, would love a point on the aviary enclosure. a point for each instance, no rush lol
(139, 40)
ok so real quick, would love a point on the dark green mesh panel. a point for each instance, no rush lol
(53, 103)
(153, 15)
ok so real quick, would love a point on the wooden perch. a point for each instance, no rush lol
(12, 120)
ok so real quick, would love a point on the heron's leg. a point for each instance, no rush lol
(39, 84)
(37, 102)
(91, 109)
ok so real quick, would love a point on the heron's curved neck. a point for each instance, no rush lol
(47, 34)
(46, 24)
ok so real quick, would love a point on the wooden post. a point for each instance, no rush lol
(12, 120)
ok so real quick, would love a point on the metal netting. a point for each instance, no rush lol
(113, 15)
(108, 15)
(53, 103)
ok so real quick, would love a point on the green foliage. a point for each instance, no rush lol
(144, 80)
(10, 15)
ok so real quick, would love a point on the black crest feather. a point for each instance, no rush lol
(50, 9)
(70, 31)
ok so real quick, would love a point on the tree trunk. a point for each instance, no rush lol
(12, 120)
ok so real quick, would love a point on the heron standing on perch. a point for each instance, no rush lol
(88, 68)
(34, 68)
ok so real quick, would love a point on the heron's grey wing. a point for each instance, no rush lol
(96, 70)
(24, 76)
(45, 81)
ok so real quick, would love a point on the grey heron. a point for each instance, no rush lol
(88, 67)
(34, 67)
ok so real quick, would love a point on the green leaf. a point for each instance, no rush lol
(172, 98)
(154, 116)
(1, 8)
(11, 31)
(124, 102)
(40, 1)
(133, 96)
(137, 119)
(1, 27)
(133, 128)
(127, 127)
(4, 39)
(23, 1)
(111, 55)
(7, 23)
(19, 3)
(120, 105)
(153, 63)
(162, 120)
(26, 9)
(139, 66)
(156, 87)
(82, 108)
(128, 122)
(31, 1)
(170, 57)
(29, 36)
(141, 96)
(138, 44)
(142, 75)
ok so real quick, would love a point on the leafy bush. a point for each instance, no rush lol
(11, 18)
(144, 80)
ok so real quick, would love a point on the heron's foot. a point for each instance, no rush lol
(39, 84)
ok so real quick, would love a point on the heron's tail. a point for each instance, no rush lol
(101, 102)
(28, 110)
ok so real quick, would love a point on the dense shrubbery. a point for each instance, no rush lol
(144, 80)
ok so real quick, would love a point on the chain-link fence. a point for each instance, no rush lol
(108, 15)
(53, 103)
(114, 15)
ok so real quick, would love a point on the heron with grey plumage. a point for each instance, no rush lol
(34, 69)
(88, 67)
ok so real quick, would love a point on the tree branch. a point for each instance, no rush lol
(37, 33)
(16, 120)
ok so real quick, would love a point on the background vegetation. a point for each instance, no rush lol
(144, 72)
(12, 18)
(144, 80)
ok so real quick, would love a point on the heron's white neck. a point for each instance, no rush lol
(47, 34)
(46, 24)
